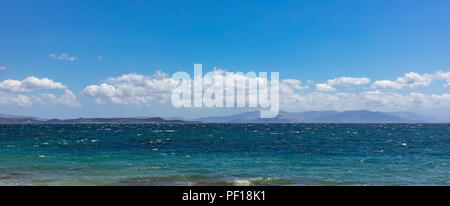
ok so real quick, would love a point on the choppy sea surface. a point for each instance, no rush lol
(225, 154)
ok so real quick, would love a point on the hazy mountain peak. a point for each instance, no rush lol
(350, 116)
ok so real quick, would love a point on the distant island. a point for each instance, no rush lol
(356, 116)
(8, 119)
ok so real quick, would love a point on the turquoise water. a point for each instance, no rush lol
(225, 154)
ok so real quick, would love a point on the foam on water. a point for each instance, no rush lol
(225, 154)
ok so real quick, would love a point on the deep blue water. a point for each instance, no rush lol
(230, 154)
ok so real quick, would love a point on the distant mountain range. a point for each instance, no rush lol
(360, 116)
(11, 119)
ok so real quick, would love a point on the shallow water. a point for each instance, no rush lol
(225, 154)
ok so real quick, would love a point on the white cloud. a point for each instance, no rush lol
(2, 67)
(386, 84)
(411, 80)
(291, 86)
(341, 81)
(371, 100)
(68, 98)
(325, 88)
(35, 83)
(133, 89)
(63, 56)
(348, 81)
(22, 92)
(144, 89)
(30, 84)
(12, 85)
(18, 99)
(441, 75)
(99, 57)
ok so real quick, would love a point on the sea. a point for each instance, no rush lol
(225, 154)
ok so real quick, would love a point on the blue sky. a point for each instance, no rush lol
(303, 40)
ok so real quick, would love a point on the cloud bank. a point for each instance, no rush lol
(348, 81)
(294, 95)
(133, 89)
(409, 80)
(29, 91)
(139, 89)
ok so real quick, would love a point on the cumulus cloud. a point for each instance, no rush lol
(413, 80)
(62, 57)
(348, 81)
(340, 81)
(386, 84)
(441, 75)
(30, 84)
(325, 88)
(291, 86)
(294, 94)
(132, 89)
(68, 98)
(12, 85)
(143, 89)
(2, 68)
(410, 80)
(371, 100)
(23, 93)
(11, 98)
